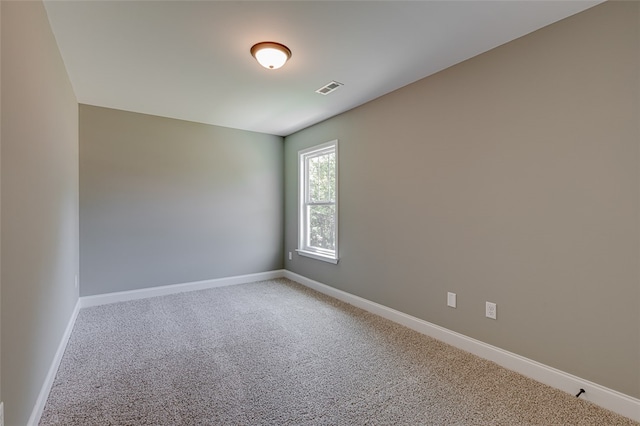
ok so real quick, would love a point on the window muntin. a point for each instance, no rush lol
(318, 209)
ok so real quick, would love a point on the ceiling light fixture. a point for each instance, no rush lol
(271, 55)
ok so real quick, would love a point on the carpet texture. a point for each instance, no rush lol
(276, 353)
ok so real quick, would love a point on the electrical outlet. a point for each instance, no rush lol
(290, 256)
(451, 300)
(491, 310)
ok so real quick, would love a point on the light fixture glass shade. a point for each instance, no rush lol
(271, 55)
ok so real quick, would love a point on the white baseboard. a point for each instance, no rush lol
(144, 293)
(600, 395)
(38, 408)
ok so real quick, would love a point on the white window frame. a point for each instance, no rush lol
(304, 249)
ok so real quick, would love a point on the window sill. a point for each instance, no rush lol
(317, 256)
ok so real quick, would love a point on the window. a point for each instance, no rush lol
(318, 202)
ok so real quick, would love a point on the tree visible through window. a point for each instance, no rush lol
(318, 202)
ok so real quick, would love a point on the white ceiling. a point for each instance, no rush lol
(190, 59)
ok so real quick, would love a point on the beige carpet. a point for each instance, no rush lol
(276, 353)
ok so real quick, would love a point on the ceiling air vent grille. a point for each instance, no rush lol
(329, 87)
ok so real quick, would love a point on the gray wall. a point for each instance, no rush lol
(166, 201)
(512, 177)
(1, 203)
(39, 177)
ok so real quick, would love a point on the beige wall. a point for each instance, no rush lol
(166, 201)
(512, 177)
(39, 177)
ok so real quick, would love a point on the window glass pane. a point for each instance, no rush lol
(322, 227)
(318, 199)
(322, 174)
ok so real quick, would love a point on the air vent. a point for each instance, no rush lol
(328, 88)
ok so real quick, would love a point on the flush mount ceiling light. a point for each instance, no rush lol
(271, 55)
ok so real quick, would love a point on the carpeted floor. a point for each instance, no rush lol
(276, 353)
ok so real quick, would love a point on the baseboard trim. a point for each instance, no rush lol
(38, 408)
(598, 394)
(144, 293)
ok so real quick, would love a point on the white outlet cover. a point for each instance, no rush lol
(451, 300)
(491, 310)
